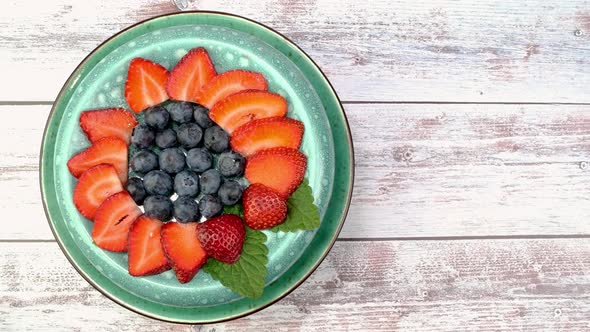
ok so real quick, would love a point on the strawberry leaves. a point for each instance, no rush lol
(302, 212)
(303, 215)
(246, 276)
(236, 209)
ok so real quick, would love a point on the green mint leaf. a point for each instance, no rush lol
(302, 213)
(236, 209)
(246, 276)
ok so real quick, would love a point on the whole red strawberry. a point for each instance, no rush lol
(223, 237)
(263, 207)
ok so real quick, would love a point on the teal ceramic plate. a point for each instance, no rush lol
(233, 42)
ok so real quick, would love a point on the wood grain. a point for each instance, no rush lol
(428, 170)
(483, 285)
(403, 50)
(422, 170)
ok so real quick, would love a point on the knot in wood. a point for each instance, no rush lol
(407, 155)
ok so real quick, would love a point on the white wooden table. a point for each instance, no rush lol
(471, 124)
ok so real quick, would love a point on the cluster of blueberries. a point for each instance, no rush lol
(178, 147)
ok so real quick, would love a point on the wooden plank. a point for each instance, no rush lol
(386, 50)
(484, 285)
(422, 170)
(433, 170)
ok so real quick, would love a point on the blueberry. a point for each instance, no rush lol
(210, 206)
(230, 192)
(136, 190)
(210, 181)
(158, 183)
(158, 206)
(186, 209)
(201, 116)
(231, 164)
(216, 139)
(172, 160)
(166, 138)
(189, 135)
(144, 161)
(143, 136)
(156, 117)
(181, 111)
(199, 159)
(186, 183)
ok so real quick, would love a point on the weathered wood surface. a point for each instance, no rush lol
(485, 285)
(422, 170)
(404, 50)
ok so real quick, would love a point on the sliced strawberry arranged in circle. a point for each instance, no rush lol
(182, 247)
(146, 255)
(228, 83)
(223, 237)
(263, 207)
(116, 122)
(94, 186)
(281, 169)
(267, 133)
(190, 74)
(108, 150)
(146, 84)
(113, 220)
(239, 102)
(242, 107)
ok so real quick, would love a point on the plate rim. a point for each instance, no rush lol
(146, 313)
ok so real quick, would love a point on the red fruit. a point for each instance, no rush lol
(223, 237)
(146, 84)
(190, 74)
(263, 207)
(108, 150)
(281, 169)
(94, 186)
(146, 255)
(239, 108)
(267, 133)
(182, 247)
(113, 220)
(228, 83)
(116, 122)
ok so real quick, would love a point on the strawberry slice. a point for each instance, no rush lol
(182, 247)
(190, 74)
(228, 83)
(108, 150)
(113, 220)
(102, 123)
(263, 207)
(146, 255)
(94, 186)
(146, 84)
(239, 108)
(267, 133)
(281, 169)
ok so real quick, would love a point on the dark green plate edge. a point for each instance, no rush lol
(313, 255)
